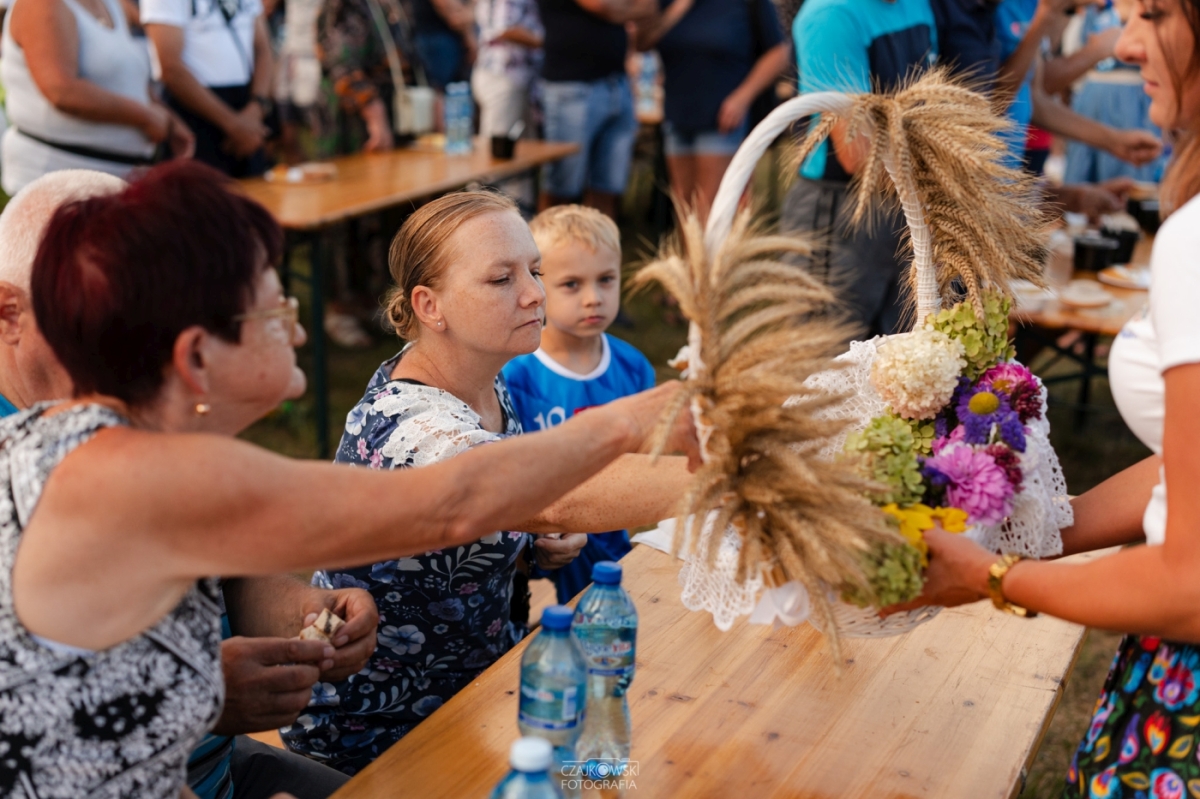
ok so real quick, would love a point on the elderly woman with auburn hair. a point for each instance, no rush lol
(468, 298)
(117, 506)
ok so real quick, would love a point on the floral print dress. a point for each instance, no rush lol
(1142, 742)
(444, 616)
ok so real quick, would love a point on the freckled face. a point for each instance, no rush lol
(491, 292)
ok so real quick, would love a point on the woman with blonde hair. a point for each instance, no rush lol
(1143, 734)
(117, 507)
(468, 298)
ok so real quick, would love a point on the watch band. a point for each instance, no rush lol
(996, 574)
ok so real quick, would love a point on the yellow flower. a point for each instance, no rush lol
(915, 519)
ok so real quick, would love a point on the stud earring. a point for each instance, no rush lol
(203, 408)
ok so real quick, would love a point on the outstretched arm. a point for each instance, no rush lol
(131, 519)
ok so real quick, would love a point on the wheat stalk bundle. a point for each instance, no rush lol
(939, 141)
(764, 328)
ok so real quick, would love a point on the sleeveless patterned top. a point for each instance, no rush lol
(114, 723)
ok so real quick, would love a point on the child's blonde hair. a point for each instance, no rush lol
(575, 223)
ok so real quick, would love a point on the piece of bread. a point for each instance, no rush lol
(323, 629)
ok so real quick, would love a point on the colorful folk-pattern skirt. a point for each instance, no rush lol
(1142, 742)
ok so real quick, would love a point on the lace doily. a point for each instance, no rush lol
(1039, 512)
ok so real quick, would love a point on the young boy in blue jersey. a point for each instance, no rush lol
(578, 365)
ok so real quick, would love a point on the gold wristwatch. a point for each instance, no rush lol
(996, 574)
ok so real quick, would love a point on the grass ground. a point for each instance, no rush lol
(1089, 453)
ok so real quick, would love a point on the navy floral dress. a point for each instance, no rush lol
(1142, 742)
(443, 615)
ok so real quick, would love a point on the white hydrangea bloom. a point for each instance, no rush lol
(916, 373)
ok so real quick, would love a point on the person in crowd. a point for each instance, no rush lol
(577, 365)
(297, 86)
(717, 57)
(359, 91)
(509, 62)
(267, 679)
(444, 33)
(1022, 27)
(971, 45)
(161, 305)
(1143, 728)
(215, 59)
(588, 100)
(78, 93)
(1112, 95)
(468, 299)
(854, 45)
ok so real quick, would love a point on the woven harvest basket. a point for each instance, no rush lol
(1039, 511)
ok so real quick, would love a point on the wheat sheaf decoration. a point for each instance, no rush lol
(760, 327)
(936, 148)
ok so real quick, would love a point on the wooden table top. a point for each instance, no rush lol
(1108, 320)
(369, 182)
(955, 708)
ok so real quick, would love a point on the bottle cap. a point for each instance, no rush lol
(531, 754)
(606, 573)
(557, 617)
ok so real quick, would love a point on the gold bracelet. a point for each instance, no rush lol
(996, 574)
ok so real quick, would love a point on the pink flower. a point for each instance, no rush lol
(1019, 385)
(494, 628)
(468, 588)
(974, 482)
(362, 448)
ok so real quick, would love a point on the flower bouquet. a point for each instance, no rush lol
(949, 448)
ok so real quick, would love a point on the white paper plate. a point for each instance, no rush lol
(1126, 276)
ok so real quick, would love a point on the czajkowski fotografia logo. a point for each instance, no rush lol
(600, 774)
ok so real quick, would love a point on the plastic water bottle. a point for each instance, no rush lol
(606, 628)
(460, 118)
(531, 759)
(554, 690)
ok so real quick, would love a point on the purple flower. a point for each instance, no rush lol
(974, 482)
(1019, 385)
(982, 412)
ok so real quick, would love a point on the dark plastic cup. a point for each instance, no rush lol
(503, 148)
(1146, 214)
(1126, 241)
(1093, 253)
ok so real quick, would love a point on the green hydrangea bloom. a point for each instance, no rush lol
(894, 574)
(887, 453)
(985, 343)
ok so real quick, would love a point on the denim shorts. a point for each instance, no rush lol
(708, 142)
(598, 116)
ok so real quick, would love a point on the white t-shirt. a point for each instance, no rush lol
(1166, 334)
(217, 53)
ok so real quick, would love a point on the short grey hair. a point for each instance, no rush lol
(27, 214)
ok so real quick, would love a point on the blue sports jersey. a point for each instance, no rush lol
(545, 393)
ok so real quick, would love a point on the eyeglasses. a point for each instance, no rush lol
(288, 310)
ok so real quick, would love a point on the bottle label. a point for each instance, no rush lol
(609, 653)
(547, 709)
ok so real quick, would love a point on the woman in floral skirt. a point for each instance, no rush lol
(468, 298)
(1143, 738)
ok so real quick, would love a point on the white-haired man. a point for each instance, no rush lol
(29, 372)
(268, 674)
